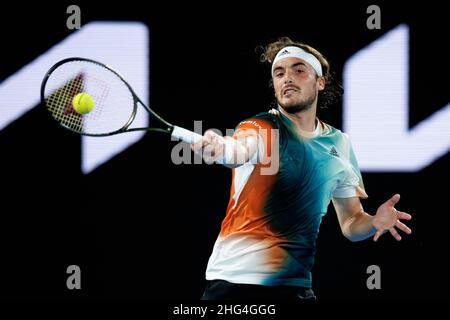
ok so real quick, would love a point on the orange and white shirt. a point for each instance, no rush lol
(277, 202)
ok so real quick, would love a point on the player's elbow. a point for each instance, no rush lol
(353, 238)
(346, 232)
(233, 165)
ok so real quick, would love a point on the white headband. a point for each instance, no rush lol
(296, 52)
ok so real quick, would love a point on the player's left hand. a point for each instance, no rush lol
(388, 218)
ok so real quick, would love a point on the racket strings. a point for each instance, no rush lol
(59, 104)
(113, 101)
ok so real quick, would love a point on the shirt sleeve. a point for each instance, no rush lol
(352, 185)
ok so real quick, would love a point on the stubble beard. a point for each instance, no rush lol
(300, 106)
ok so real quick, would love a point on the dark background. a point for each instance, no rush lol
(148, 226)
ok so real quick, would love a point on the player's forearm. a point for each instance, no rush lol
(238, 152)
(359, 227)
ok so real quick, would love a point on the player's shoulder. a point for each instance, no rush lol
(262, 120)
(328, 129)
(336, 136)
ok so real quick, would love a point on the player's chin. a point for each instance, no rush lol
(289, 101)
(291, 106)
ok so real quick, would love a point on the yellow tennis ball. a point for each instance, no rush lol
(83, 103)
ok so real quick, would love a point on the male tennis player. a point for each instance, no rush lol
(266, 246)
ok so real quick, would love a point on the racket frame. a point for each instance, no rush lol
(168, 127)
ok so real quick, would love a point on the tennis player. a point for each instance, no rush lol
(287, 166)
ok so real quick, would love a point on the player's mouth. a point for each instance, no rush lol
(288, 90)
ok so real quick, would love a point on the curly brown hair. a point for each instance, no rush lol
(331, 93)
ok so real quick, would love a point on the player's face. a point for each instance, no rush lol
(296, 84)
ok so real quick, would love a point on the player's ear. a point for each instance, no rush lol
(321, 83)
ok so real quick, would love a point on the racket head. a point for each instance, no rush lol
(115, 103)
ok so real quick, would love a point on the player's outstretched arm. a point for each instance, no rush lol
(229, 151)
(358, 225)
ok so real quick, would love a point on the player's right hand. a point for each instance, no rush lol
(211, 147)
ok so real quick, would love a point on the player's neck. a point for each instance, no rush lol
(304, 120)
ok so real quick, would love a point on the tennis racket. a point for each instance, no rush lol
(115, 102)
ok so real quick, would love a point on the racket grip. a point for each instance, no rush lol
(185, 135)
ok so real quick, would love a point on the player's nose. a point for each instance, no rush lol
(288, 78)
